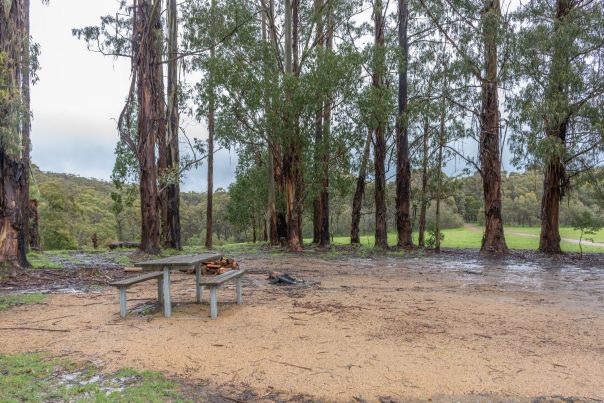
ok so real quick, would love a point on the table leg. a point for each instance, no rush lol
(198, 288)
(239, 294)
(123, 306)
(213, 303)
(167, 300)
(160, 285)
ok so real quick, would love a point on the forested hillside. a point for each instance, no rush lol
(73, 209)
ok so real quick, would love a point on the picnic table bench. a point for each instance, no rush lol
(160, 269)
(216, 281)
(124, 284)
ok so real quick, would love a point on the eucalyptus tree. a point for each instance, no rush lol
(136, 33)
(211, 117)
(230, 87)
(477, 31)
(26, 78)
(14, 131)
(324, 38)
(558, 108)
(170, 196)
(403, 162)
(380, 97)
(271, 78)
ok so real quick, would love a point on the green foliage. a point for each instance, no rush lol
(11, 107)
(33, 377)
(588, 224)
(247, 200)
(556, 107)
(431, 239)
(9, 301)
(71, 210)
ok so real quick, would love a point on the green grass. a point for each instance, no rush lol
(565, 232)
(123, 260)
(33, 377)
(468, 238)
(39, 260)
(9, 301)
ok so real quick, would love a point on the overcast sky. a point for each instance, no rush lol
(80, 94)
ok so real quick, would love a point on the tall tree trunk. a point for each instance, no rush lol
(493, 240)
(291, 156)
(424, 201)
(318, 158)
(555, 181)
(151, 115)
(553, 191)
(381, 232)
(171, 226)
(271, 210)
(324, 239)
(210, 194)
(403, 164)
(211, 129)
(12, 122)
(359, 192)
(26, 124)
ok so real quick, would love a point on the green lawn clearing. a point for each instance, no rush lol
(470, 237)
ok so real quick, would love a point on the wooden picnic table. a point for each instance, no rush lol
(167, 264)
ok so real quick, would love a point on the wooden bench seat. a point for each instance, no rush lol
(216, 281)
(122, 285)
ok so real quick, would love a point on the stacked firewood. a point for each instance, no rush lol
(219, 266)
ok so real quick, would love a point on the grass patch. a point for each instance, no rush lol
(39, 260)
(123, 260)
(33, 377)
(9, 301)
(472, 238)
(565, 232)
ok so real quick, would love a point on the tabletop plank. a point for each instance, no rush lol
(181, 260)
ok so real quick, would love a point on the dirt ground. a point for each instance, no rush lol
(381, 328)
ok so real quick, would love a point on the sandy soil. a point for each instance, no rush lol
(362, 329)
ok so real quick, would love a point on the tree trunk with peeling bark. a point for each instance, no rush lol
(403, 163)
(13, 159)
(493, 240)
(555, 181)
(151, 115)
(171, 225)
(379, 144)
(26, 124)
(292, 172)
(318, 151)
(271, 208)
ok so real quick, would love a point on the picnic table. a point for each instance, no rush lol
(180, 262)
